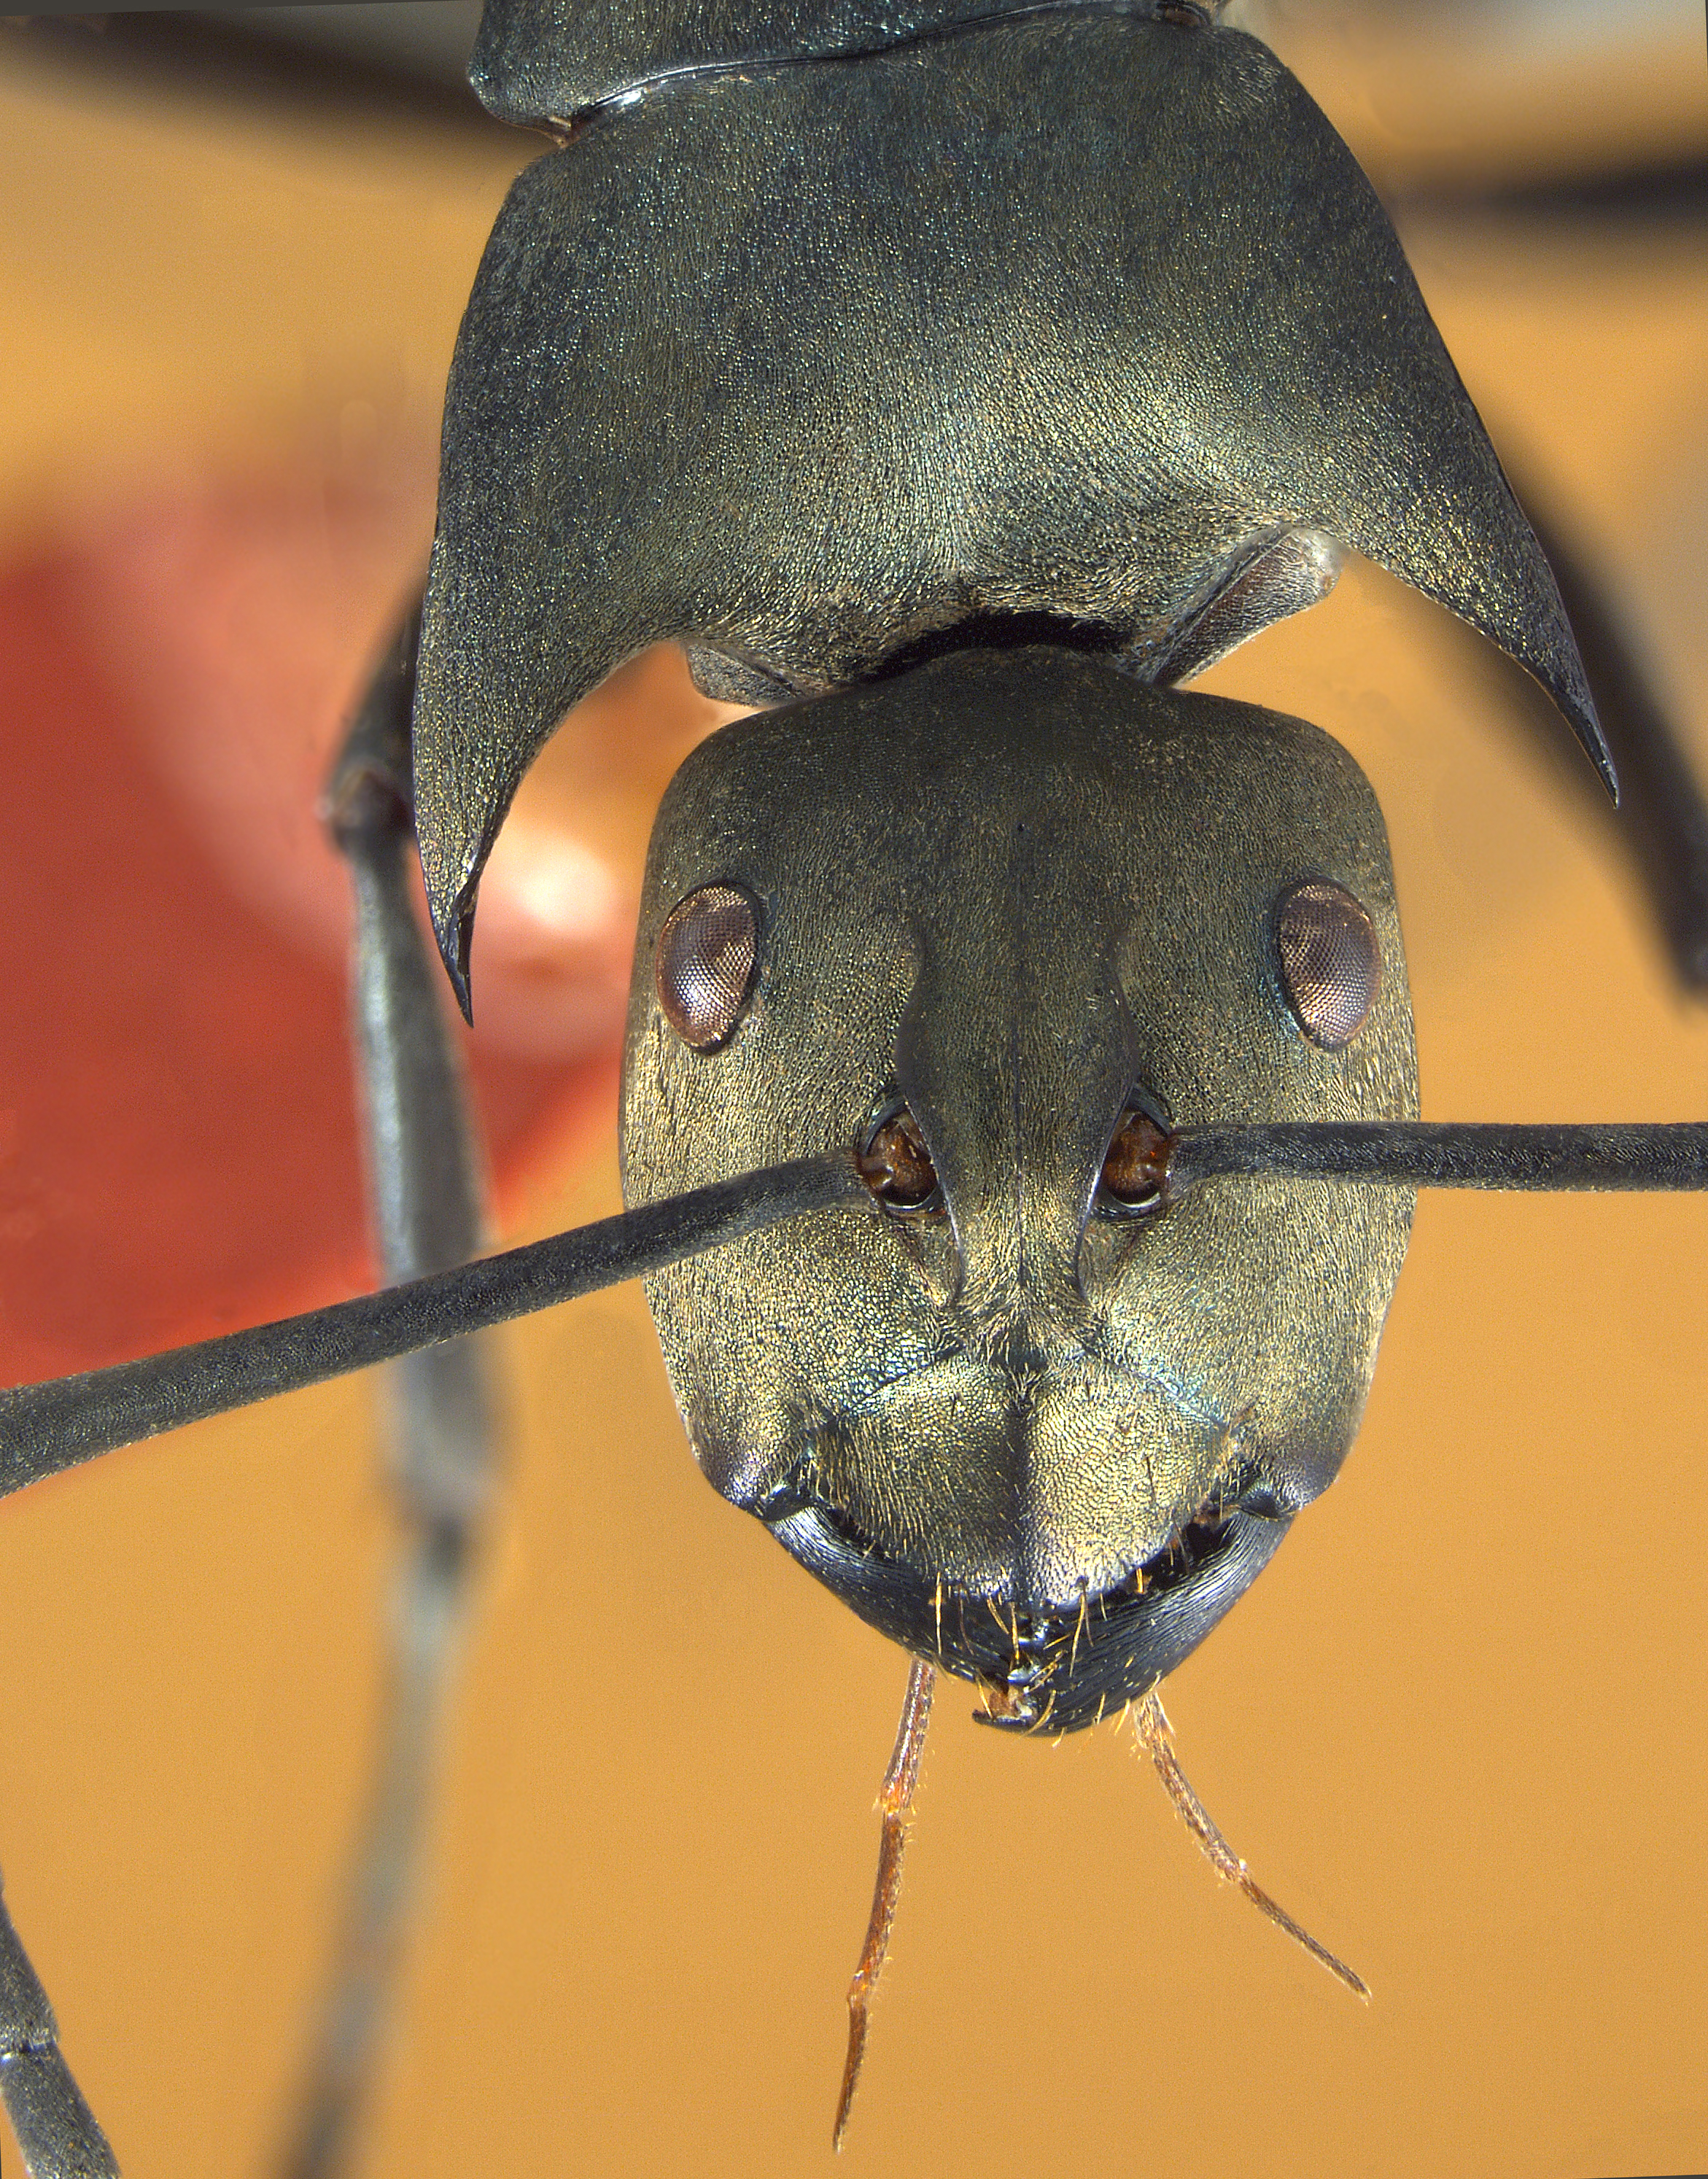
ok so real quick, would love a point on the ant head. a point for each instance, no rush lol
(999, 927)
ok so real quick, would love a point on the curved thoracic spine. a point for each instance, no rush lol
(738, 370)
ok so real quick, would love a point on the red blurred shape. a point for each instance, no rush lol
(176, 1126)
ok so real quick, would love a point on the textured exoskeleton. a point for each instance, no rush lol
(1086, 314)
(1037, 1439)
(950, 379)
(823, 345)
(542, 60)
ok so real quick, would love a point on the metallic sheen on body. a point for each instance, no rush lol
(1074, 314)
(1013, 887)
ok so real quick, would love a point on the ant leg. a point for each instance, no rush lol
(426, 1199)
(1661, 826)
(1661, 821)
(56, 2133)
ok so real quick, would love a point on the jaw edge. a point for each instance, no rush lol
(1053, 1670)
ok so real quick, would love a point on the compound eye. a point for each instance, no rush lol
(896, 1166)
(1135, 1170)
(1331, 961)
(704, 964)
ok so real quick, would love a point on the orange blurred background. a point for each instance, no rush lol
(1454, 1728)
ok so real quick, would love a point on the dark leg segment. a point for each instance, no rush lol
(1661, 827)
(425, 1200)
(1662, 819)
(58, 2135)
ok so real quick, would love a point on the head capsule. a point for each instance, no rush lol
(1015, 916)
